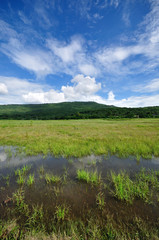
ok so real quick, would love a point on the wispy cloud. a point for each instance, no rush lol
(152, 86)
(66, 52)
(35, 60)
(23, 18)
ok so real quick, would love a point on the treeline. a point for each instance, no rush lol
(74, 110)
(114, 112)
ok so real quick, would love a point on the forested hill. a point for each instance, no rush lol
(74, 110)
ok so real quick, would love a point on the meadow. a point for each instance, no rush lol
(137, 137)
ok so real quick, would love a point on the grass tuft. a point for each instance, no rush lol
(89, 177)
(50, 178)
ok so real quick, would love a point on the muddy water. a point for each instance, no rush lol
(79, 197)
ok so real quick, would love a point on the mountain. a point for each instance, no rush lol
(73, 110)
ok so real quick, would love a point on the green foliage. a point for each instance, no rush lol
(23, 171)
(7, 178)
(100, 200)
(42, 170)
(50, 178)
(31, 180)
(20, 173)
(21, 207)
(63, 138)
(61, 212)
(141, 187)
(35, 221)
(123, 186)
(89, 177)
(73, 110)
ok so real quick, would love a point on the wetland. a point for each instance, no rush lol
(79, 179)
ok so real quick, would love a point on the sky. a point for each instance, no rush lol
(54, 51)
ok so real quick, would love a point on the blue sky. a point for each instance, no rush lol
(79, 50)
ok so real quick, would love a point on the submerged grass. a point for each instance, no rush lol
(89, 177)
(51, 178)
(139, 137)
(142, 186)
(20, 173)
(31, 180)
(31, 220)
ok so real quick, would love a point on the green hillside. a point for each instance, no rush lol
(73, 110)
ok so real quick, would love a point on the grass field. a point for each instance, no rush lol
(138, 137)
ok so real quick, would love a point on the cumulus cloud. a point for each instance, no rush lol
(14, 88)
(51, 96)
(82, 89)
(111, 96)
(3, 88)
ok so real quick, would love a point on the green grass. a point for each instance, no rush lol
(42, 170)
(143, 186)
(7, 178)
(50, 178)
(21, 180)
(31, 180)
(61, 213)
(123, 186)
(120, 137)
(22, 171)
(100, 200)
(89, 177)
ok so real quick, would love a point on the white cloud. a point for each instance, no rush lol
(23, 18)
(137, 101)
(68, 52)
(3, 89)
(44, 97)
(32, 59)
(111, 96)
(115, 3)
(17, 87)
(88, 69)
(83, 88)
(152, 86)
(72, 56)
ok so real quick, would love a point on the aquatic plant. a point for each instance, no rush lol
(140, 187)
(22, 171)
(100, 200)
(9, 152)
(42, 170)
(7, 178)
(65, 175)
(31, 180)
(89, 177)
(50, 178)
(21, 207)
(61, 212)
(36, 218)
(70, 161)
(21, 180)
